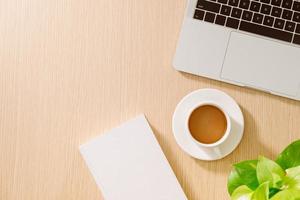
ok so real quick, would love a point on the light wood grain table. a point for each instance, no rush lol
(73, 69)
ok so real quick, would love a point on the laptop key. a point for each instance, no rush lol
(268, 21)
(236, 13)
(276, 11)
(287, 4)
(296, 6)
(266, 9)
(199, 14)
(233, 3)
(245, 4)
(209, 17)
(276, 2)
(220, 20)
(296, 39)
(225, 10)
(247, 15)
(222, 1)
(265, 31)
(296, 17)
(287, 14)
(255, 6)
(265, 1)
(258, 18)
(232, 23)
(209, 6)
(298, 28)
(279, 23)
(290, 26)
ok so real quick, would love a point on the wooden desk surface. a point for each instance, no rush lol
(72, 69)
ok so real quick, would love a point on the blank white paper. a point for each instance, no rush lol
(128, 164)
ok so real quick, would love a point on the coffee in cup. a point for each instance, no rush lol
(207, 124)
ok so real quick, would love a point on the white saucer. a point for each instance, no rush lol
(181, 113)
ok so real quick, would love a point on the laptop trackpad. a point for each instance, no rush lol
(262, 63)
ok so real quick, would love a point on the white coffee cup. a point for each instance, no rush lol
(211, 147)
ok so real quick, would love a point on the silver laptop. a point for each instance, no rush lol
(251, 43)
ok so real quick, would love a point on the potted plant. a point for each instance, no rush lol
(264, 179)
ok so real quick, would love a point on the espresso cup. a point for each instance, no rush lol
(214, 146)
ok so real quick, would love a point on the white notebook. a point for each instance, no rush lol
(128, 164)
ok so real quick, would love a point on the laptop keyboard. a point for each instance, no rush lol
(277, 19)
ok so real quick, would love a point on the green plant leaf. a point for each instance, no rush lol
(289, 194)
(273, 191)
(291, 185)
(292, 179)
(290, 157)
(243, 173)
(294, 172)
(242, 193)
(265, 179)
(269, 171)
(262, 192)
